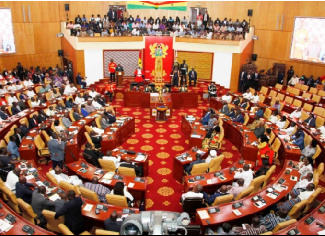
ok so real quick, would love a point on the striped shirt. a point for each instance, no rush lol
(99, 189)
(254, 231)
(288, 205)
(271, 221)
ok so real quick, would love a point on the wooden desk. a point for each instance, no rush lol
(191, 128)
(185, 100)
(226, 210)
(215, 181)
(138, 191)
(178, 166)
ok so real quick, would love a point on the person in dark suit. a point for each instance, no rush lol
(237, 100)
(3, 114)
(111, 117)
(112, 15)
(175, 78)
(183, 72)
(23, 190)
(128, 163)
(95, 155)
(33, 123)
(206, 118)
(189, 167)
(221, 192)
(24, 129)
(76, 114)
(111, 224)
(239, 117)
(15, 109)
(96, 139)
(311, 121)
(72, 213)
(244, 104)
(205, 19)
(40, 203)
(42, 116)
(192, 76)
(80, 81)
(242, 79)
(59, 203)
(232, 113)
(255, 78)
(281, 77)
(225, 108)
(18, 135)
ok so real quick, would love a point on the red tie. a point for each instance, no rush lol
(35, 122)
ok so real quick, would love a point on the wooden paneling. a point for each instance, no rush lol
(207, 41)
(111, 39)
(202, 62)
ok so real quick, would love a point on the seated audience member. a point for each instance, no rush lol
(306, 166)
(59, 176)
(304, 182)
(60, 202)
(282, 123)
(274, 117)
(44, 89)
(98, 188)
(225, 108)
(255, 98)
(244, 104)
(3, 113)
(112, 224)
(58, 127)
(207, 116)
(96, 139)
(109, 157)
(227, 98)
(13, 101)
(209, 199)
(40, 202)
(296, 114)
(213, 122)
(12, 179)
(311, 121)
(304, 195)
(212, 140)
(188, 168)
(33, 122)
(13, 149)
(290, 129)
(288, 204)
(98, 131)
(54, 94)
(50, 111)
(96, 103)
(71, 211)
(239, 117)
(225, 229)
(246, 174)
(264, 156)
(310, 150)
(111, 117)
(197, 192)
(271, 220)
(121, 190)
(69, 89)
(30, 92)
(232, 113)
(248, 95)
(15, 109)
(109, 90)
(212, 155)
(259, 130)
(79, 99)
(76, 115)
(236, 190)
(255, 123)
(24, 129)
(256, 228)
(128, 163)
(70, 103)
(23, 190)
(93, 93)
(42, 117)
(89, 107)
(66, 120)
(35, 103)
(212, 88)
(260, 112)
(277, 105)
(95, 155)
(298, 140)
(81, 81)
(83, 111)
(237, 100)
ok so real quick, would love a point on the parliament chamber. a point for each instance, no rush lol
(163, 117)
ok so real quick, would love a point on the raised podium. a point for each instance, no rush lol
(120, 75)
(161, 106)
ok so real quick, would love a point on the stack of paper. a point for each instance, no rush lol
(131, 185)
(54, 197)
(5, 226)
(203, 214)
(237, 212)
(272, 196)
(108, 175)
(140, 158)
(88, 207)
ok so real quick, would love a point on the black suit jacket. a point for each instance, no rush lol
(24, 192)
(36, 79)
(236, 102)
(207, 17)
(32, 123)
(41, 118)
(17, 139)
(96, 141)
(242, 77)
(14, 110)
(194, 73)
(72, 215)
(3, 115)
(94, 156)
(138, 170)
(114, 226)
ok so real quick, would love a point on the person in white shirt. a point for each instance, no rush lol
(69, 89)
(304, 182)
(195, 193)
(135, 31)
(109, 157)
(294, 80)
(96, 104)
(309, 191)
(120, 189)
(28, 83)
(246, 173)
(248, 95)
(59, 176)
(290, 129)
(322, 130)
(30, 93)
(227, 98)
(50, 111)
(35, 103)
(93, 93)
(58, 128)
(213, 154)
(209, 35)
(79, 99)
(12, 99)
(12, 179)
(155, 26)
(19, 86)
(296, 114)
(306, 166)
(274, 117)
(236, 190)
(256, 98)
(11, 87)
(3, 91)
(282, 123)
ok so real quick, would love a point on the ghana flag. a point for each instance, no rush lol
(169, 5)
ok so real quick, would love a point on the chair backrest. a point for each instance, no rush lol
(307, 140)
(39, 142)
(279, 86)
(71, 116)
(116, 200)
(267, 233)
(320, 169)
(7, 137)
(257, 183)
(107, 165)
(67, 187)
(272, 137)
(280, 96)
(3, 143)
(287, 124)
(267, 113)
(319, 122)
(190, 205)
(264, 90)
(297, 210)
(316, 179)
(246, 192)
(52, 223)
(91, 195)
(27, 210)
(304, 88)
(317, 153)
(48, 96)
(273, 93)
(105, 232)
(297, 103)
(268, 175)
(308, 107)
(97, 120)
(318, 110)
(283, 225)
(321, 93)
(276, 146)
(215, 164)
(295, 91)
(246, 119)
(223, 199)
(89, 139)
(288, 100)
(12, 200)
(64, 230)
(298, 85)
(51, 178)
(199, 169)
(304, 115)
(262, 98)
(313, 90)
(126, 171)
(46, 136)
(311, 200)
(307, 95)
(88, 129)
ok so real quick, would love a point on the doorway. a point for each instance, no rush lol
(195, 12)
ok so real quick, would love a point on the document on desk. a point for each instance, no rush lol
(200, 152)
(195, 136)
(88, 207)
(29, 177)
(108, 175)
(204, 214)
(140, 158)
(5, 226)
(237, 212)
(54, 197)
(321, 232)
(130, 185)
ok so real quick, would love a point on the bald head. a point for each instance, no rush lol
(128, 160)
(113, 216)
(198, 188)
(256, 221)
(109, 153)
(246, 167)
(71, 195)
(241, 182)
(223, 189)
(58, 170)
(64, 196)
(42, 189)
(22, 180)
(17, 171)
(95, 180)
(310, 187)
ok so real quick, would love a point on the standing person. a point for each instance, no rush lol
(56, 148)
(205, 19)
(199, 19)
(255, 78)
(112, 69)
(192, 76)
(184, 71)
(175, 77)
(72, 213)
(242, 79)
(212, 88)
(290, 73)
